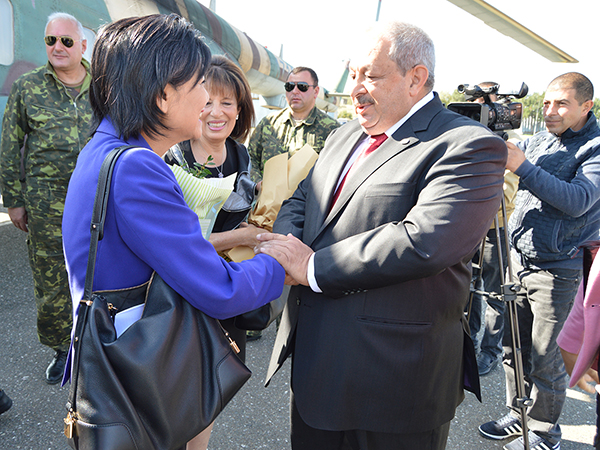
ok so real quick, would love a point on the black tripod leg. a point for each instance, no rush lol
(475, 282)
(509, 296)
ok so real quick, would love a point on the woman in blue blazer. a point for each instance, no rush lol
(147, 91)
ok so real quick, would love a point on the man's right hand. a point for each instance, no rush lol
(18, 216)
(290, 252)
(516, 157)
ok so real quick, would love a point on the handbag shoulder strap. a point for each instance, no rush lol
(99, 214)
(97, 231)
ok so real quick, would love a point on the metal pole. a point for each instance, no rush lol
(475, 282)
(509, 296)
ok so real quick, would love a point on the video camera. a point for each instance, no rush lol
(497, 116)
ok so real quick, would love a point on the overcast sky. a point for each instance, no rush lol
(318, 34)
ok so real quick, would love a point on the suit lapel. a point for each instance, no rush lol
(331, 164)
(401, 140)
(337, 164)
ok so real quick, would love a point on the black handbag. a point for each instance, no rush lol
(163, 381)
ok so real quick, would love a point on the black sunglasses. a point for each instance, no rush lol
(65, 40)
(302, 86)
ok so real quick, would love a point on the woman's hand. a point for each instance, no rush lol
(245, 235)
(248, 233)
(588, 381)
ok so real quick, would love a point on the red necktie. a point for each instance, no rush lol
(374, 143)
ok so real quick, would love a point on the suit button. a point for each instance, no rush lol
(297, 300)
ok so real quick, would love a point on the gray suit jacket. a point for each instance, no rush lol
(381, 349)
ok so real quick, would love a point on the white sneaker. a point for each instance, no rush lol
(535, 443)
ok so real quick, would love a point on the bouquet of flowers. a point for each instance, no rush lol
(205, 196)
(281, 176)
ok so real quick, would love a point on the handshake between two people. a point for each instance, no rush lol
(290, 252)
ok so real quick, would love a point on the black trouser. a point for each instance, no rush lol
(304, 437)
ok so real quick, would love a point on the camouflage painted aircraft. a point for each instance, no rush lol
(22, 24)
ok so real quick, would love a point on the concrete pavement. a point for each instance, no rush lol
(257, 418)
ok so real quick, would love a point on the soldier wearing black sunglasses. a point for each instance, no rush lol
(49, 106)
(298, 124)
(302, 86)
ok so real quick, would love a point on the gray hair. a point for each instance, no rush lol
(410, 46)
(66, 16)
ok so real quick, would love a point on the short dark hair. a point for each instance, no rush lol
(223, 76)
(134, 60)
(313, 74)
(584, 89)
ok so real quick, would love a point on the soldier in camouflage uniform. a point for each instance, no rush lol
(48, 115)
(298, 124)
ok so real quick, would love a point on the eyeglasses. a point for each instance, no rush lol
(65, 40)
(302, 86)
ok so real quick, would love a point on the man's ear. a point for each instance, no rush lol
(587, 107)
(419, 75)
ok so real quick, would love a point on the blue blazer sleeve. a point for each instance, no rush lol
(150, 227)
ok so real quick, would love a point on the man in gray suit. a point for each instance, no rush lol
(376, 325)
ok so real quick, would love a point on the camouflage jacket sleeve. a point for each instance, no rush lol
(255, 150)
(14, 129)
(322, 127)
(277, 133)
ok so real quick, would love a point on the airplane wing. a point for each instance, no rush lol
(511, 28)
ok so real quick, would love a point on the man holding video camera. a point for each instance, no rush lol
(556, 211)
